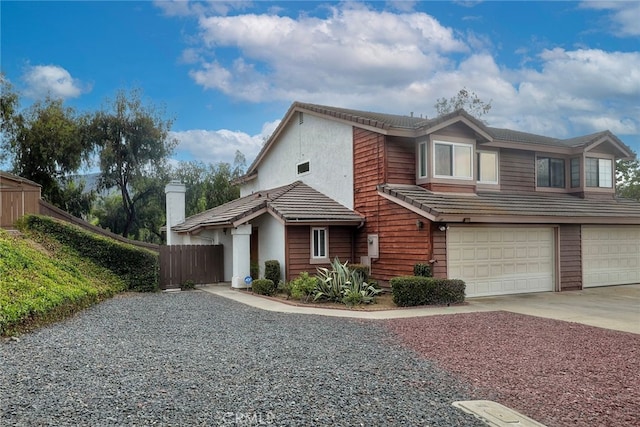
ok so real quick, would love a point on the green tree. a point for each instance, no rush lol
(628, 179)
(466, 99)
(209, 185)
(8, 115)
(134, 144)
(47, 144)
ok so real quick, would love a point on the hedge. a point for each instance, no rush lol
(416, 290)
(272, 270)
(138, 267)
(263, 287)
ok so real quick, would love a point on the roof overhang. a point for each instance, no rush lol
(494, 211)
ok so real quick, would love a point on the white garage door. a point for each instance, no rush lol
(499, 261)
(610, 255)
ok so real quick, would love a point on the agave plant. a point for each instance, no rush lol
(342, 284)
(332, 281)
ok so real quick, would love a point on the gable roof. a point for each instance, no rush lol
(18, 179)
(296, 203)
(516, 208)
(410, 126)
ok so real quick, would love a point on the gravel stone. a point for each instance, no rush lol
(561, 374)
(192, 358)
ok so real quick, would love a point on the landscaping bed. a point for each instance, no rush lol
(558, 373)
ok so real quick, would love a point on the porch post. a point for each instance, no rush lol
(241, 255)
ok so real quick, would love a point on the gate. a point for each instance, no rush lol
(199, 264)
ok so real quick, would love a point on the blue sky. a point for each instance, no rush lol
(228, 71)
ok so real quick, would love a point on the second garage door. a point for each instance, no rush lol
(610, 255)
(500, 261)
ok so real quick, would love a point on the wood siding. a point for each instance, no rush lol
(298, 248)
(449, 188)
(401, 243)
(570, 257)
(16, 200)
(517, 171)
(439, 268)
(400, 161)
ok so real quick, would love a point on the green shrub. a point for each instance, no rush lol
(361, 269)
(343, 284)
(263, 287)
(254, 270)
(138, 267)
(37, 287)
(414, 290)
(285, 288)
(188, 285)
(422, 270)
(272, 270)
(303, 286)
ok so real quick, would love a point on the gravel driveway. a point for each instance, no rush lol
(192, 358)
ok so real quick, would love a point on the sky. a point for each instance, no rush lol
(226, 72)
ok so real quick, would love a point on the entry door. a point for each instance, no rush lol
(254, 256)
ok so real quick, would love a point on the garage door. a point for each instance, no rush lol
(610, 255)
(499, 261)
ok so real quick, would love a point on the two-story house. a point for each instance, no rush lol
(506, 211)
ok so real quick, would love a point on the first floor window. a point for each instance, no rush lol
(550, 172)
(452, 160)
(319, 242)
(487, 167)
(599, 172)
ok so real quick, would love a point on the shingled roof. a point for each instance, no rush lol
(515, 208)
(295, 203)
(414, 126)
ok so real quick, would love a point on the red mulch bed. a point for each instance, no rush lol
(558, 373)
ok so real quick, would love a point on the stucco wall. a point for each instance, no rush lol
(271, 233)
(327, 145)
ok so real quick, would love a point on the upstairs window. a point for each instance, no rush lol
(599, 172)
(550, 172)
(575, 172)
(319, 243)
(453, 160)
(422, 160)
(488, 167)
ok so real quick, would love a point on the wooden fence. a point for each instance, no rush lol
(199, 264)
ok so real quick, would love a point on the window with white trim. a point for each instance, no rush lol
(422, 160)
(319, 242)
(488, 167)
(452, 160)
(599, 172)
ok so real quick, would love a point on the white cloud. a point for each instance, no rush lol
(403, 61)
(353, 50)
(197, 8)
(215, 146)
(624, 16)
(43, 80)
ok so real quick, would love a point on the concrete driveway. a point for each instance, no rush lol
(612, 307)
